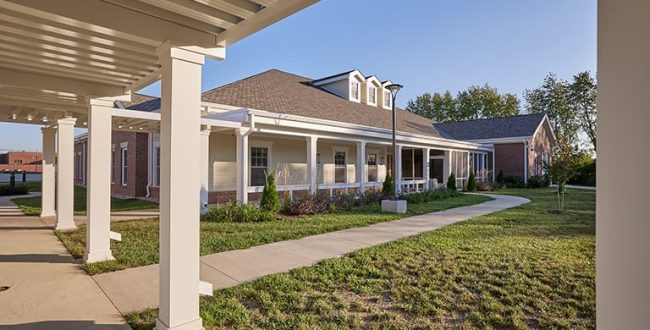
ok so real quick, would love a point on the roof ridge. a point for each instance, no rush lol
(492, 118)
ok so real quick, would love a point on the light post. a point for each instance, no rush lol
(394, 88)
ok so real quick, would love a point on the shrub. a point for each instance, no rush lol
(308, 205)
(6, 190)
(451, 182)
(586, 172)
(425, 197)
(500, 180)
(388, 188)
(539, 181)
(372, 197)
(471, 182)
(237, 212)
(270, 200)
(484, 186)
(513, 182)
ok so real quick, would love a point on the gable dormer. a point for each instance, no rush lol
(348, 85)
(372, 88)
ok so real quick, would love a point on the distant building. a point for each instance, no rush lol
(28, 161)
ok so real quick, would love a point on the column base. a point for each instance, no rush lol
(65, 226)
(48, 214)
(196, 324)
(90, 258)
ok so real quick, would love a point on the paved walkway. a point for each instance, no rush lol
(571, 186)
(46, 288)
(9, 209)
(137, 288)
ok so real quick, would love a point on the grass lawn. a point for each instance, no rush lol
(32, 205)
(526, 267)
(139, 244)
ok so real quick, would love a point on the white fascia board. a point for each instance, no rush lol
(339, 77)
(546, 121)
(516, 139)
(155, 116)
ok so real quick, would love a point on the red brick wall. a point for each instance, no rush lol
(510, 159)
(80, 176)
(540, 145)
(21, 160)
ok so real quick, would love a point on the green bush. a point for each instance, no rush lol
(237, 212)
(485, 186)
(388, 188)
(471, 182)
(451, 182)
(425, 197)
(539, 181)
(513, 182)
(500, 180)
(586, 175)
(270, 200)
(21, 189)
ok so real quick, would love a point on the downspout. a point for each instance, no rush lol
(149, 164)
(526, 142)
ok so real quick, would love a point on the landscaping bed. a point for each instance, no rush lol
(526, 267)
(139, 244)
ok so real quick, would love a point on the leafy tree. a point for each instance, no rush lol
(473, 103)
(562, 168)
(451, 182)
(471, 182)
(582, 96)
(388, 189)
(270, 200)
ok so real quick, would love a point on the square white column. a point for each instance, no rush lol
(425, 167)
(242, 166)
(48, 174)
(312, 163)
(398, 171)
(361, 166)
(98, 200)
(65, 174)
(179, 189)
(204, 168)
(446, 167)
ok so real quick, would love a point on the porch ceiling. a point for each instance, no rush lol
(56, 54)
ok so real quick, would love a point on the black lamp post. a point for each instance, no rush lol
(394, 88)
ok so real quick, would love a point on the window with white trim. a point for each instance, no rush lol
(259, 165)
(372, 95)
(354, 89)
(340, 167)
(387, 99)
(124, 165)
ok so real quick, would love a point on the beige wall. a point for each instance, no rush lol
(622, 216)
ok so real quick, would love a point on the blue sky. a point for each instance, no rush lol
(426, 45)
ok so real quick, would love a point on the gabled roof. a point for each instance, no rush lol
(493, 128)
(136, 98)
(281, 92)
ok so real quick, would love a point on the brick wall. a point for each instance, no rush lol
(21, 160)
(540, 145)
(510, 159)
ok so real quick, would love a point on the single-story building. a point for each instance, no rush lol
(331, 134)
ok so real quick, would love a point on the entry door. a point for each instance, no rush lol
(435, 169)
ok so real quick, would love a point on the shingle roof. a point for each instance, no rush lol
(136, 98)
(281, 92)
(494, 128)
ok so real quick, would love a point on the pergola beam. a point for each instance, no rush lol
(44, 82)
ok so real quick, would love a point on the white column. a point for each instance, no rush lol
(204, 168)
(65, 174)
(179, 214)
(48, 174)
(312, 164)
(398, 171)
(425, 167)
(98, 200)
(361, 166)
(242, 166)
(446, 167)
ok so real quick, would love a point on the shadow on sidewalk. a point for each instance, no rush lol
(67, 325)
(40, 258)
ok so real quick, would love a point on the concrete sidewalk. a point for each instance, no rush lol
(137, 288)
(46, 288)
(8, 208)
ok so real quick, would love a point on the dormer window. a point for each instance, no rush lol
(354, 90)
(372, 95)
(387, 99)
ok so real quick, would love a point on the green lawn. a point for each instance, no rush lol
(526, 267)
(139, 244)
(32, 205)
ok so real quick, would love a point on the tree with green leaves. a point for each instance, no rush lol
(270, 200)
(451, 182)
(562, 168)
(582, 96)
(388, 188)
(475, 102)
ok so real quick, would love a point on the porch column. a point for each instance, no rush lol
(204, 168)
(446, 167)
(48, 173)
(398, 170)
(65, 174)
(242, 166)
(361, 166)
(98, 197)
(179, 217)
(425, 167)
(312, 163)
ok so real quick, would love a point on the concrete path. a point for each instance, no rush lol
(137, 288)
(46, 288)
(571, 186)
(9, 209)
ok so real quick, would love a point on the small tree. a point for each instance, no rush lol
(471, 182)
(562, 169)
(451, 182)
(388, 188)
(501, 179)
(270, 200)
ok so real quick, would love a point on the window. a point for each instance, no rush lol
(354, 89)
(18, 162)
(387, 99)
(259, 165)
(372, 95)
(372, 167)
(125, 166)
(340, 167)
(157, 164)
(113, 164)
